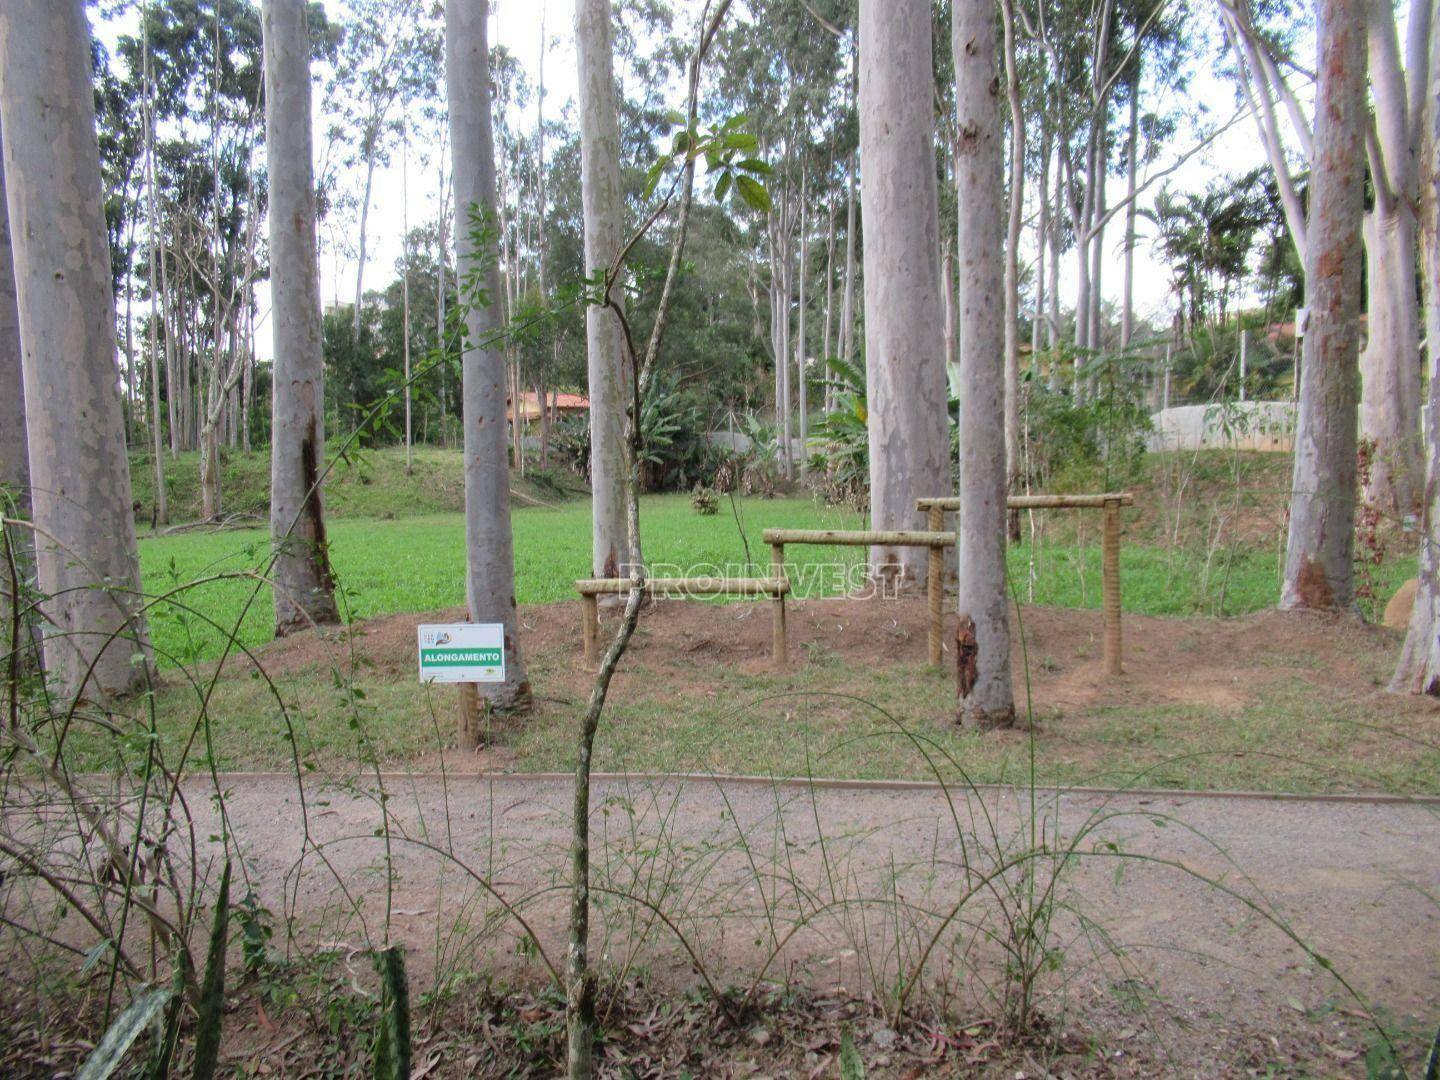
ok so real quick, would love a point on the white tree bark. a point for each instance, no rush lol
(1418, 671)
(1132, 160)
(982, 634)
(904, 345)
(1390, 387)
(1012, 256)
(610, 365)
(1318, 558)
(19, 556)
(802, 400)
(847, 294)
(489, 545)
(152, 224)
(304, 587)
(98, 645)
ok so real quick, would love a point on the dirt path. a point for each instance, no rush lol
(857, 883)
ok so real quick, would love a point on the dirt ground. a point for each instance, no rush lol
(1182, 672)
(1189, 936)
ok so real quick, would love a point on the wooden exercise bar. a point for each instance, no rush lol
(1039, 502)
(696, 586)
(1108, 502)
(591, 589)
(936, 539)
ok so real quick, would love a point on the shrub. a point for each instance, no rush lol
(704, 501)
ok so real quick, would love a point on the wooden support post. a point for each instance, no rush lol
(777, 571)
(474, 710)
(590, 627)
(1110, 580)
(935, 586)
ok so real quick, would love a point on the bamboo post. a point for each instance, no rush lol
(473, 711)
(590, 627)
(777, 571)
(935, 585)
(1110, 579)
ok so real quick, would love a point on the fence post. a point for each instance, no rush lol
(777, 571)
(935, 585)
(1110, 582)
(590, 626)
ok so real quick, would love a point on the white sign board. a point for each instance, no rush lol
(462, 652)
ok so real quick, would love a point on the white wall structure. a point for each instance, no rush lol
(1231, 425)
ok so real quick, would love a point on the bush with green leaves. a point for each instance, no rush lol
(1099, 440)
(845, 463)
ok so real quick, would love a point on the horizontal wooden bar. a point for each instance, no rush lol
(698, 586)
(1039, 502)
(859, 538)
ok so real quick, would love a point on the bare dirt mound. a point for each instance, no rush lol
(1198, 661)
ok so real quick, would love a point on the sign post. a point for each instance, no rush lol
(464, 654)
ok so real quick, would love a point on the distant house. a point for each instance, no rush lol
(560, 405)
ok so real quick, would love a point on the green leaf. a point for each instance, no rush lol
(104, 1059)
(212, 989)
(740, 140)
(722, 186)
(652, 177)
(756, 167)
(753, 192)
(852, 1065)
(392, 1041)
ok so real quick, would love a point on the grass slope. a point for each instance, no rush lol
(370, 484)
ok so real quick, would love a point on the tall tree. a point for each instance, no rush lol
(88, 568)
(304, 587)
(611, 368)
(387, 55)
(18, 550)
(1016, 200)
(1319, 569)
(1418, 671)
(982, 633)
(907, 420)
(1390, 366)
(489, 546)
(152, 224)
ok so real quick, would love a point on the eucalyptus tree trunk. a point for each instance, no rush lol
(802, 391)
(1319, 553)
(908, 421)
(982, 632)
(152, 224)
(1390, 366)
(847, 294)
(364, 232)
(96, 644)
(489, 545)
(1012, 261)
(1042, 229)
(827, 321)
(17, 556)
(610, 364)
(304, 586)
(405, 283)
(1418, 671)
(1132, 149)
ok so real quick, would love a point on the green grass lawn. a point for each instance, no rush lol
(398, 547)
(417, 564)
